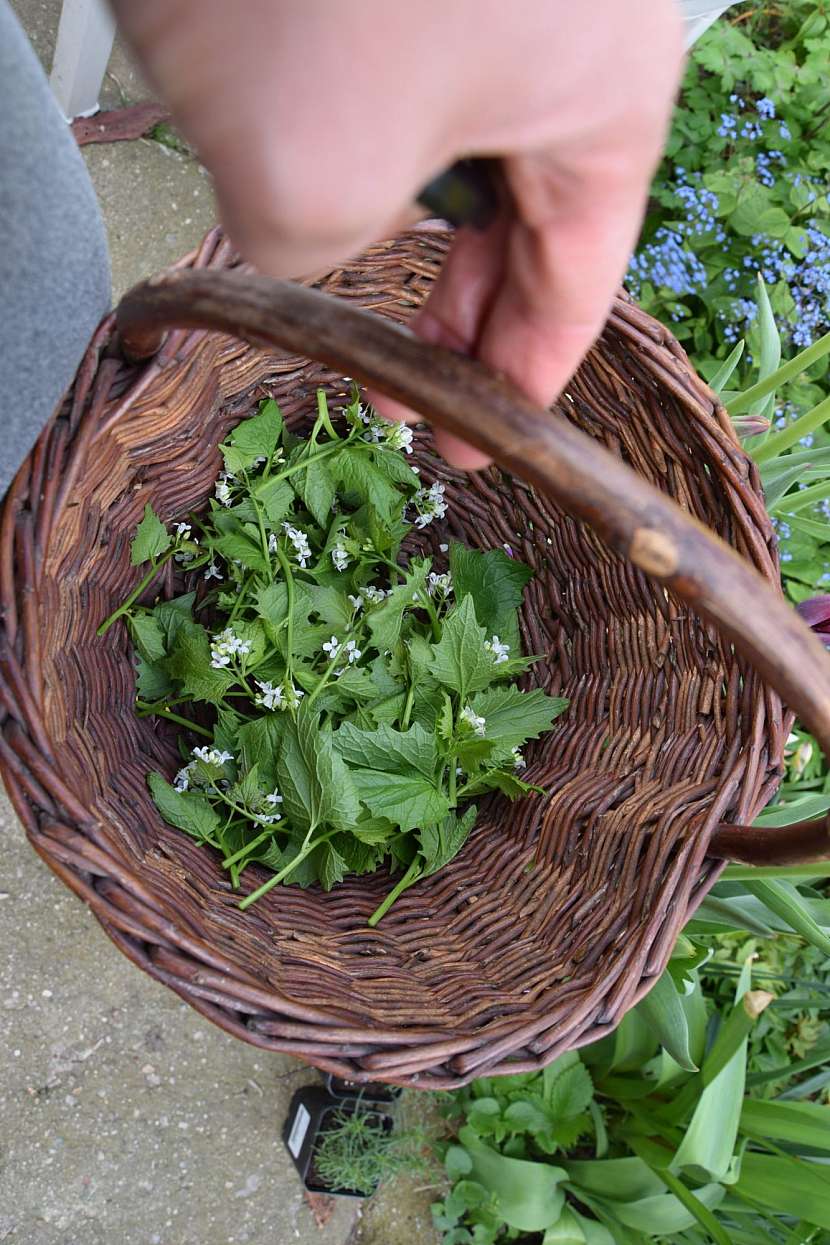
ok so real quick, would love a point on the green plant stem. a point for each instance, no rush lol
(323, 416)
(308, 847)
(289, 588)
(778, 442)
(453, 782)
(407, 709)
(127, 605)
(163, 712)
(240, 600)
(411, 876)
(247, 849)
(786, 372)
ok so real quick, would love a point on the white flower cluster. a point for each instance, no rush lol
(396, 435)
(370, 595)
(439, 583)
(278, 695)
(474, 720)
(224, 485)
(225, 646)
(340, 556)
(272, 800)
(210, 756)
(500, 650)
(430, 504)
(299, 540)
(334, 648)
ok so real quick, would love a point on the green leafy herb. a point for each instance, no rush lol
(359, 696)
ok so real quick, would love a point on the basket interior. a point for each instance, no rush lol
(545, 926)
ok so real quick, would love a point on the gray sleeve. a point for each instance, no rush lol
(54, 267)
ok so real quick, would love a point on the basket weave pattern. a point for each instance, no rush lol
(561, 909)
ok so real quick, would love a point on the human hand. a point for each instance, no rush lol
(320, 123)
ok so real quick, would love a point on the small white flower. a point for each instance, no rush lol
(213, 572)
(183, 530)
(212, 756)
(273, 798)
(182, 780)
(272, 543)
(398, 437)
(259, 460)
(356, 602)
(518, 760)
(331, 647)
(223, 489)
(430, 504)
(270, 696)
(500, 650)
(374, 596)
(340, 557)
(299, 540)
(474, 720)
(443, 548)
(439, 583)
(352, 652)
(225, 646)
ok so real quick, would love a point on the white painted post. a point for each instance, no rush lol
(85, 36)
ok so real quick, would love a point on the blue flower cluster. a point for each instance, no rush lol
(808, 280)
(763, 162)
(667, 262)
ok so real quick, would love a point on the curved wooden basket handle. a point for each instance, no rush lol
(459, 394)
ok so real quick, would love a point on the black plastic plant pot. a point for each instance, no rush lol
(364, 1091)
(312, 1113)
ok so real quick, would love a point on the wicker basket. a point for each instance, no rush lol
(562, 909)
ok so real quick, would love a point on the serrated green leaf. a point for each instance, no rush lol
(459, 660)
(240, 547)
(151, 538)
(253, 438)
(408, 800)
(512, 716)
(374, 831)
(331, 866)
(385, 622)
(259, 743)
(412, 751)
(184, 809)
(500, 780)
(444, 840)
(315, 486)
(189, 663)
(570, 1091)
(171, 615)
(148, 636)
(316, 785)
(152, 681)
(361, 478)
(331, 605)
(496, 583)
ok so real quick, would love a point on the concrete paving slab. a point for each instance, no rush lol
(127, 1118)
